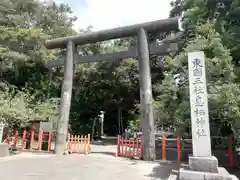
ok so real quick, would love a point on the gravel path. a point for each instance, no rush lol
(101, 164)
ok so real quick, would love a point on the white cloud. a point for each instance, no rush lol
(104, 14)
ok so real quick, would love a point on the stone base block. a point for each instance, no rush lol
(205, 164)
(233, 177)
(4, 150)
(185, 174)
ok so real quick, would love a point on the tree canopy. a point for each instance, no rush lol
(202, 22)
(29, 91)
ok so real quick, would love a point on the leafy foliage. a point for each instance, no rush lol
(201, 33)
(25, 86)
(29, 91)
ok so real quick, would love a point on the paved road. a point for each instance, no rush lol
(101, 164)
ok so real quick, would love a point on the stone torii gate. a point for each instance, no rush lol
(142, 51)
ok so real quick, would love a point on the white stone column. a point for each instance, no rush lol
(199, 105)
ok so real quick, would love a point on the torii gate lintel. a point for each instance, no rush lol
(143, 52)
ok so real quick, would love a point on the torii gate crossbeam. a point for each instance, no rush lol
(146, 107)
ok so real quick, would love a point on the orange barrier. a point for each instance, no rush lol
(79, 144)
(179, 148)
(164, 148)
(230, 152)
(42, 141)
(179, 151)
(28, 141)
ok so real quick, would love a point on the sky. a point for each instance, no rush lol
(104, 14)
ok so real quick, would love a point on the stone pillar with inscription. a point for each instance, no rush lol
(202, 165)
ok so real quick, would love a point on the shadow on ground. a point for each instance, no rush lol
(105, 153)
(164, 170)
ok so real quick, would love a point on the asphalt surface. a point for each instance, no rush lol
(101, 164)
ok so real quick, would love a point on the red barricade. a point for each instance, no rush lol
(129, 147)
(30, 141)
(42, 141)
(179, 149)
(230, 152)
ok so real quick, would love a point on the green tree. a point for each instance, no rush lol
(223, 91)
(25, 25)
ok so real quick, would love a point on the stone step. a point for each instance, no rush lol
(4, 150)
(173, 177)
(198, 175)
(233, 177)
(222, 175)
(223, 171)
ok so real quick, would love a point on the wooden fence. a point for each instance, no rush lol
(129, 147)
(79, 144)
(179, 148)
(32, 141)
(44, 141)
(133, 148)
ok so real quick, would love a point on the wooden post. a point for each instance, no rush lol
(24, 139)
(70, 143)
(230, 151)
(89, 143)
(164, 148)
(49, 141)
(141, 147)
(179, 152)
(40, 138)
(78, 144)
(81, 142)
(8, 139)
(15, 139)
(85, 145)
(137, 148)
(73, 143)
(32, 139)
